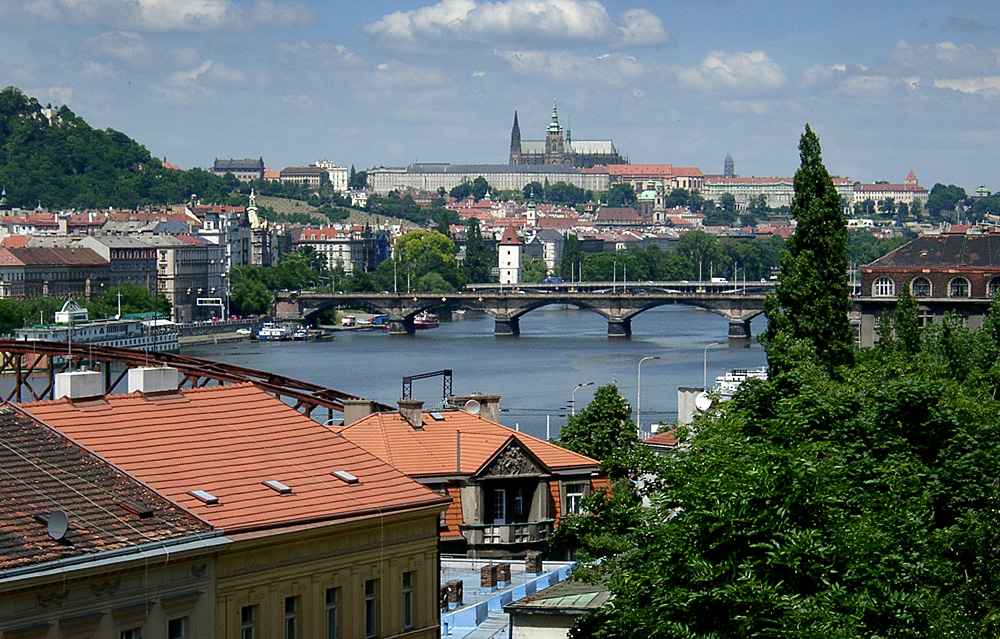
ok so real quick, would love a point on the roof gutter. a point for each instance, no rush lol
(201, 542)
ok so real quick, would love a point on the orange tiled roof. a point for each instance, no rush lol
(227, 440)
(432, 451)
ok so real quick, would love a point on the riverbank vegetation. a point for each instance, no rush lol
(853, 494)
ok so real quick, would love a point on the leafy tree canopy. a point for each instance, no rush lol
(59, 161)
(603, 430)
(620, 195)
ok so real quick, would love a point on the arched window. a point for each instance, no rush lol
(920, 287)
(883, 287)
(958, 287)
(993, 286)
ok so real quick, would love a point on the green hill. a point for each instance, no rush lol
(51, 156)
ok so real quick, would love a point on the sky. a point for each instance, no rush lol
(888, 86)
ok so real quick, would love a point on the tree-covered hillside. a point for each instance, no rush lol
(53, 157)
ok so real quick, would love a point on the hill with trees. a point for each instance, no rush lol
(52, 157)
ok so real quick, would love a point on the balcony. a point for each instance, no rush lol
(508, 536)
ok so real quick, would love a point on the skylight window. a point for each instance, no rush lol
(204, 496)
(345, 476)
(438, 417)
(277, 486)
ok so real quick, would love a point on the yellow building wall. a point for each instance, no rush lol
(262, 570)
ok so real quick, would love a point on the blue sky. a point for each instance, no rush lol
(888, 86)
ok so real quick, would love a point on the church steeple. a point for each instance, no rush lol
(515, 142)
(554, 126)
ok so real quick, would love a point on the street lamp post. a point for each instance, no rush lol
(638, 392)
(704, 364)
(573, 395)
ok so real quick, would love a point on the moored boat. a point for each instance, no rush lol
(301, 334)
(141, 331)
(424, 320)
(269, 332)
(727, 384)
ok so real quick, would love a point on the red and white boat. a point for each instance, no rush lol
(424, 319)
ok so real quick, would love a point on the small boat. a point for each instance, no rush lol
(301, 334)
(270, 332)
(458, 311)
(727, 384)
(424, 320)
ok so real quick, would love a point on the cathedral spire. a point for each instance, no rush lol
(515, 142)
(554, 126)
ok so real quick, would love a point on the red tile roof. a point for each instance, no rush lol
(44, 472)
(227, 440)
(433, 451)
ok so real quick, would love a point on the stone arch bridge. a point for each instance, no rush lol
(615, 303)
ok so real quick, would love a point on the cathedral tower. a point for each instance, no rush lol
(515, 142)
(555, 146)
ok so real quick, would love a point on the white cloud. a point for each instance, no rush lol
(512, 21)
(160, 15)
(610, 69)
(868, 85)
(741, 71)
(943, 58)
(981, 85)
(208, 72)
(122, 46)
(306, 54)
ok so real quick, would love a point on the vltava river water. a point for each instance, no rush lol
(534, 373)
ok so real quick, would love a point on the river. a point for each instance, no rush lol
(534, 373)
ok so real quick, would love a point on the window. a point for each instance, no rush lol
(332, 622)
(371, 608)
(921, 287)
(407, 600)
(291, 618)
(248, 622)
(574, 497)
(924, 317)
(883, 287)
(993, 286)
(958, 287)
(131, 633)
(499, 506)
(519, 503)
(177, 628)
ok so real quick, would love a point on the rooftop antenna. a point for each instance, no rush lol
(472, 406)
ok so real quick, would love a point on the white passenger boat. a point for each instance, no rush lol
(141, 331)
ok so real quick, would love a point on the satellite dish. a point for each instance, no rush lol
(703, 402)
(472, 406)
(58, 525)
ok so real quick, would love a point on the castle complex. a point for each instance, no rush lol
(560, 150)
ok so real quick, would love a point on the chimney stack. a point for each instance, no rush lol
(355, 409)
(79, 385)
(412, 411)
(152, 379)
(489, 405)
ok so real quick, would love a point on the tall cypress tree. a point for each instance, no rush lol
(807, 315)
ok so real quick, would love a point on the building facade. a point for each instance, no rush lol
(777, 191)
(560, 149)
(432, 176)
(950, 275)
(909, 192)
(351, 250)
(243, 170)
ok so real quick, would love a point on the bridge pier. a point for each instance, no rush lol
(401, 326)
(739, 329)
(619, 327)
(506, 326)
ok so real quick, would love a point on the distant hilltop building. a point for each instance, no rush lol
(562, 150)
(729, 168)
(909, 192)
(243, 170)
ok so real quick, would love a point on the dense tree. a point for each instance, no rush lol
(604, 429)
(479, 259)
(620, 195)
(423, 252)
(133, 298)
(461, 191)
(863, 247)
(811, 300)
(571, 263)
(55, 158)
(357, 179)
(480, 187)
(944, 199)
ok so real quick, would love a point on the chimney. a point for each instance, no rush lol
(488, 405)
(152, 379)
(356, 409)
(411, 410)
(79, 385)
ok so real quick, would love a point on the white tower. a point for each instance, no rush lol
(509, 252)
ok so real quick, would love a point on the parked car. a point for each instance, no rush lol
(243, 331)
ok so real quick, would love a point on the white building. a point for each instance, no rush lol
(509, 252)
(338, 175)
(909, 192)
(432, 176)
(778, 191)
